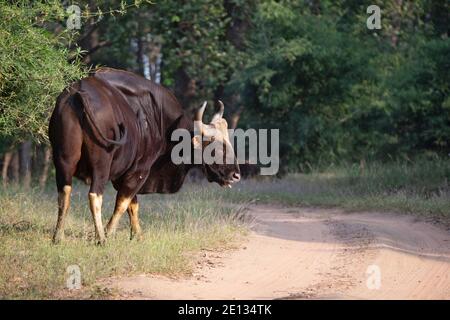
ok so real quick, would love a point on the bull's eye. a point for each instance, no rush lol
(213, 139)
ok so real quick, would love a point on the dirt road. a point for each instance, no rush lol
(316, 254)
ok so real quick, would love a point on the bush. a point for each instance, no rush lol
(34, 69)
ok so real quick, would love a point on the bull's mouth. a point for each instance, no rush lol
(211, 175)
(229, 183)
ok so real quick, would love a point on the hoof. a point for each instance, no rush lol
(101, 242)
(137, 237)
(57, 239)
(110, 234)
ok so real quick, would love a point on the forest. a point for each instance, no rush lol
(359, 91)
(340, 92)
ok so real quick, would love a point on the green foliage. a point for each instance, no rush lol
(33, 71)
(418, 187)
(420, 98)
(193, 39)
(301, 71)
(340, 92)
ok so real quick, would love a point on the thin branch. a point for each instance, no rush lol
(97, 47)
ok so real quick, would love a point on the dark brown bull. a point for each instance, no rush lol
(116, 126)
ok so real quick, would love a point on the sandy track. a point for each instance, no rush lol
(318, 254)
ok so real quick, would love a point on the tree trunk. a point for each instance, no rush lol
(234, 119)
(91, 40)
(396, 23)
(440, 17)
(14, 167)
(25, 163)
(240, 15)
(185, 89)
(315, 6)
(45, 166)
(6, 162)
(140, 55)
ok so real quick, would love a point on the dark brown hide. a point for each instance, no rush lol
(116, 126)
(144, 97)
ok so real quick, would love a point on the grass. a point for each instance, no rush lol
(420, 188)
(175, 228)
(201, 216)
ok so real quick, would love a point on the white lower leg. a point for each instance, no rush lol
(133, 212)
(63, 207)
(121, 206)
(95, 202)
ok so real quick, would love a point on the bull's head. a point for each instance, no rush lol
(213, 138)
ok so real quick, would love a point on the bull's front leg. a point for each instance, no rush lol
(122, 204)
(126, 200)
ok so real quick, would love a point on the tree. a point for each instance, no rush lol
(341, 92)
(299, 73)
(34, 69)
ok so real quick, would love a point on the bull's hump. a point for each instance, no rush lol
(95, 89)
(128, 82)
(101, 93)
(133, 85)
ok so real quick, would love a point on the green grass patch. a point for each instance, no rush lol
(201, 216)
(420, 188)
(175, 228)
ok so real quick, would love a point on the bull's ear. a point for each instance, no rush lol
(197, 141)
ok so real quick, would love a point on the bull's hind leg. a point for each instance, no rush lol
(133, 213)
(65, 166)
(63, 208)
(95, 204)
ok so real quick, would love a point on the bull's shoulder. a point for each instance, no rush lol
(165, 176)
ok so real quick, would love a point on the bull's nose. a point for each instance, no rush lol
(236, 177)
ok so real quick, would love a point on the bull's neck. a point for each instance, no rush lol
(188, 124)
(183, 122)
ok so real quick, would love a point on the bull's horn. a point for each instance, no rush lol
(200, 111)
(219, 114)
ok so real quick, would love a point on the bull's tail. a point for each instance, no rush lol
(121, 132)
